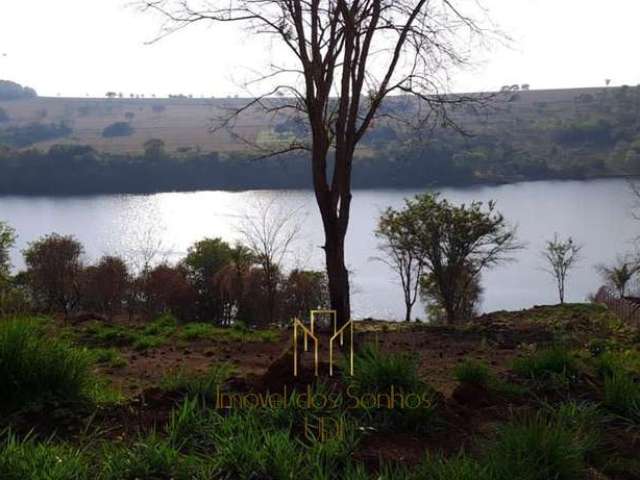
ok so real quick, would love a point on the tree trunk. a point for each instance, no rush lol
(407, 315)
(338, 275)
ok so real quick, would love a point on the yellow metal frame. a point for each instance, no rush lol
(333, 313)
(307, 333)
(335, 335)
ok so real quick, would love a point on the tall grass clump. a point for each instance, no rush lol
(392, 395)
(474, 372)
(203, 385)
(35, 367)
(549, 362)
(622, 395)
(539, 448)
(25, 459)
(149, 457)
(377, 371)
(245, 449)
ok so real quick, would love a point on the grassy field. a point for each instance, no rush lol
(184, 123)
(546, 393)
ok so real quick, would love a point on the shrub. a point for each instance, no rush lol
(34, 367)
(25, 459)
(471, 371)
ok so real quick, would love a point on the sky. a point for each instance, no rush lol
(88, 47)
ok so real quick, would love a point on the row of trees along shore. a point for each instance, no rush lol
(438, 249)
(215, 282)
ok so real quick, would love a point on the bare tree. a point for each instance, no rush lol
(348, 57)
(393, 232)
(269, 231)
(561, 256)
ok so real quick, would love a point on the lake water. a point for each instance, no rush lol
(596, 213)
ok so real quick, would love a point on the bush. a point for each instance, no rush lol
(34, 367)
(471, 371)
(118, 129)
(28, 460)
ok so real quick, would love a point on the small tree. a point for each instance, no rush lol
(7, 241)
(105, 285)
(455, 243)
(54, 269)
(206, 259)
(394, 235)
(561, 256)
(269, 232)
(304, 290)
(619, 274)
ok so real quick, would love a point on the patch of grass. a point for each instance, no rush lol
(197, 384)
(163, 326)
(26, 459)
(458, 467)
(538, 448)
(245, 449)
(377, 371)
(191, 427)
(35, 367)
(149, 457)
(238, 333)
(473, 371)
(544, 363)
(108, 356)
(197, 331)
(145, 342)
(376, 375)
(622, 395)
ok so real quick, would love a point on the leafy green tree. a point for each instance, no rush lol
(455, 243)
(4, 116)
(205, 259)
(561, 256)
(393, 233)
